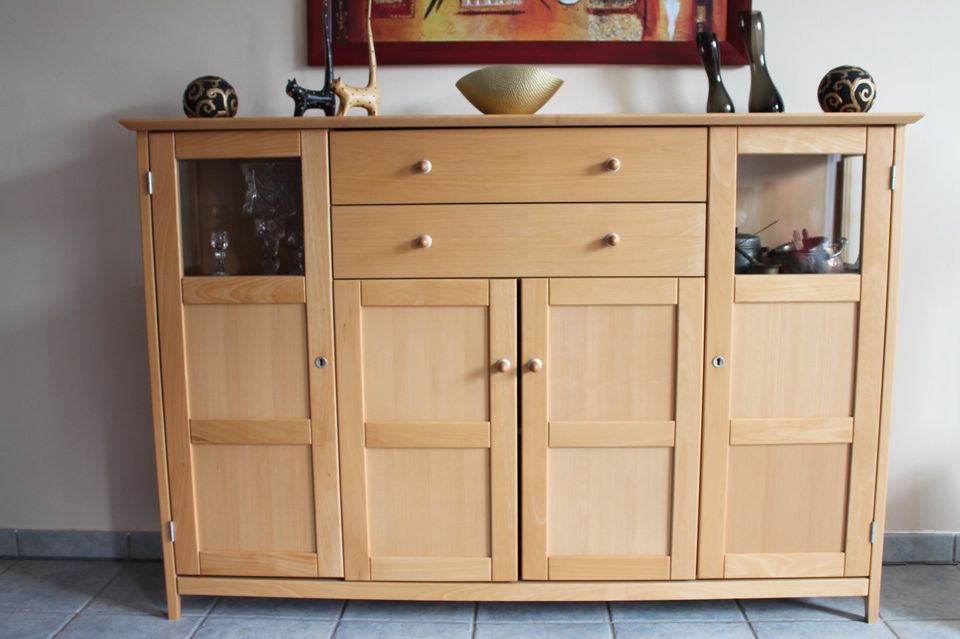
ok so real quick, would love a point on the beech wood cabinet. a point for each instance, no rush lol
(512, 358)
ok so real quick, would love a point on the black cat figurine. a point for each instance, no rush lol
(304, 99)
(324, 98)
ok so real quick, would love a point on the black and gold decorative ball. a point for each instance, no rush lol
(210, 97)
(847, 89)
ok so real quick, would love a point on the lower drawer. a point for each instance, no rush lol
(522, 240)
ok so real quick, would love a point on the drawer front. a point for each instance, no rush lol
(519, 240)
(519, 165)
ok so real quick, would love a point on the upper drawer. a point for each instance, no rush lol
(519, 240)
(519, 165)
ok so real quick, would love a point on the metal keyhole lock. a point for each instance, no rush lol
(718, 361)
(320, 362)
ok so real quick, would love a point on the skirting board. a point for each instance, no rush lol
(898, 547)
(80, 544)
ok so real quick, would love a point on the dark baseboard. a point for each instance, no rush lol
(80, 544)
(898, 548)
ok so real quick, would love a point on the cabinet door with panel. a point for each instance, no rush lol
(611, 383)
(427, 409)
(245, 308)
(792, 400)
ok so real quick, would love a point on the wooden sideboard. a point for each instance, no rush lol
(508, 358)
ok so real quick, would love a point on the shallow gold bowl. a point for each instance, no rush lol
(509, 88)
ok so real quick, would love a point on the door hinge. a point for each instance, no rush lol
(893, 177)
(873, 532)
(172, 531)
(149, 182)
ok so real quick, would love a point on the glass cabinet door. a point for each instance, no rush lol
(241, 236)
(797, 291)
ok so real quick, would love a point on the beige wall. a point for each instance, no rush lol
(75, 446)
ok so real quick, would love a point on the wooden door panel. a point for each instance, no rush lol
(588, 343)
(787, 498)
(583, 479)
(414, 372)
(793, 359)
(792, 416)
(428, 429)
(611, 427)
(429, 502)
(246, 361)
(255, 510)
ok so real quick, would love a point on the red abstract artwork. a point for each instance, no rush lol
(527, 31)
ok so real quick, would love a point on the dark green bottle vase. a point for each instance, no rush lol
(764, 97)
(718, 100)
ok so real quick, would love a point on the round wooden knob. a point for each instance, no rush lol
(612, 164)
(535, 364)
(424, 241)
(503, 365)
(612, 239)
(423, 167)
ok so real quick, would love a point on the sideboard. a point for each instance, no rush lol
(513, 358)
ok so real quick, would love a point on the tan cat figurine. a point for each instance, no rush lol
(367, 97)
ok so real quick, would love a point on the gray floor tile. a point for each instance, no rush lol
(595, 612)
(676, 611)
(83, 544)
(402, 629)
(457, 612)
(6, 563)
(691, 630)
(31, 625)
(54, 586)
(127, 626)
(926, 629)
(544, 631)
(918, 547)
(234, 628)
(918, 592)
(810, 609)
(139, 589)
(821, 630)
(318, 609)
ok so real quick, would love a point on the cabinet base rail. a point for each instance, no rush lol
(524, 590)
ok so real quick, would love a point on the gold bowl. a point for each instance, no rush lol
(509, 88)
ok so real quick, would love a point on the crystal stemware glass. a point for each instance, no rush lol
(295, 242)
(220, 242)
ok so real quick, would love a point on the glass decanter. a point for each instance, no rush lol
(269, 202)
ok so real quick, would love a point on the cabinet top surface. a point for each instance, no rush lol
(480, 121)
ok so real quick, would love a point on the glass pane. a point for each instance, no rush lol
(241, 217)
(799, 213)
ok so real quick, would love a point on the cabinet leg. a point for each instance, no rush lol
(173, 604)
(872, 603)
(872, 608)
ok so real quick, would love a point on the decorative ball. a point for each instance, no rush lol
(847, 89)
(210, 97)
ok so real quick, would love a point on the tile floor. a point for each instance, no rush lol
(108, 599)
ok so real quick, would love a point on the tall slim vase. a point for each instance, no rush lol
(718, 100)
(764, 97)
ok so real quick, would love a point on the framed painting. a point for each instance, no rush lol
(526, 31)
